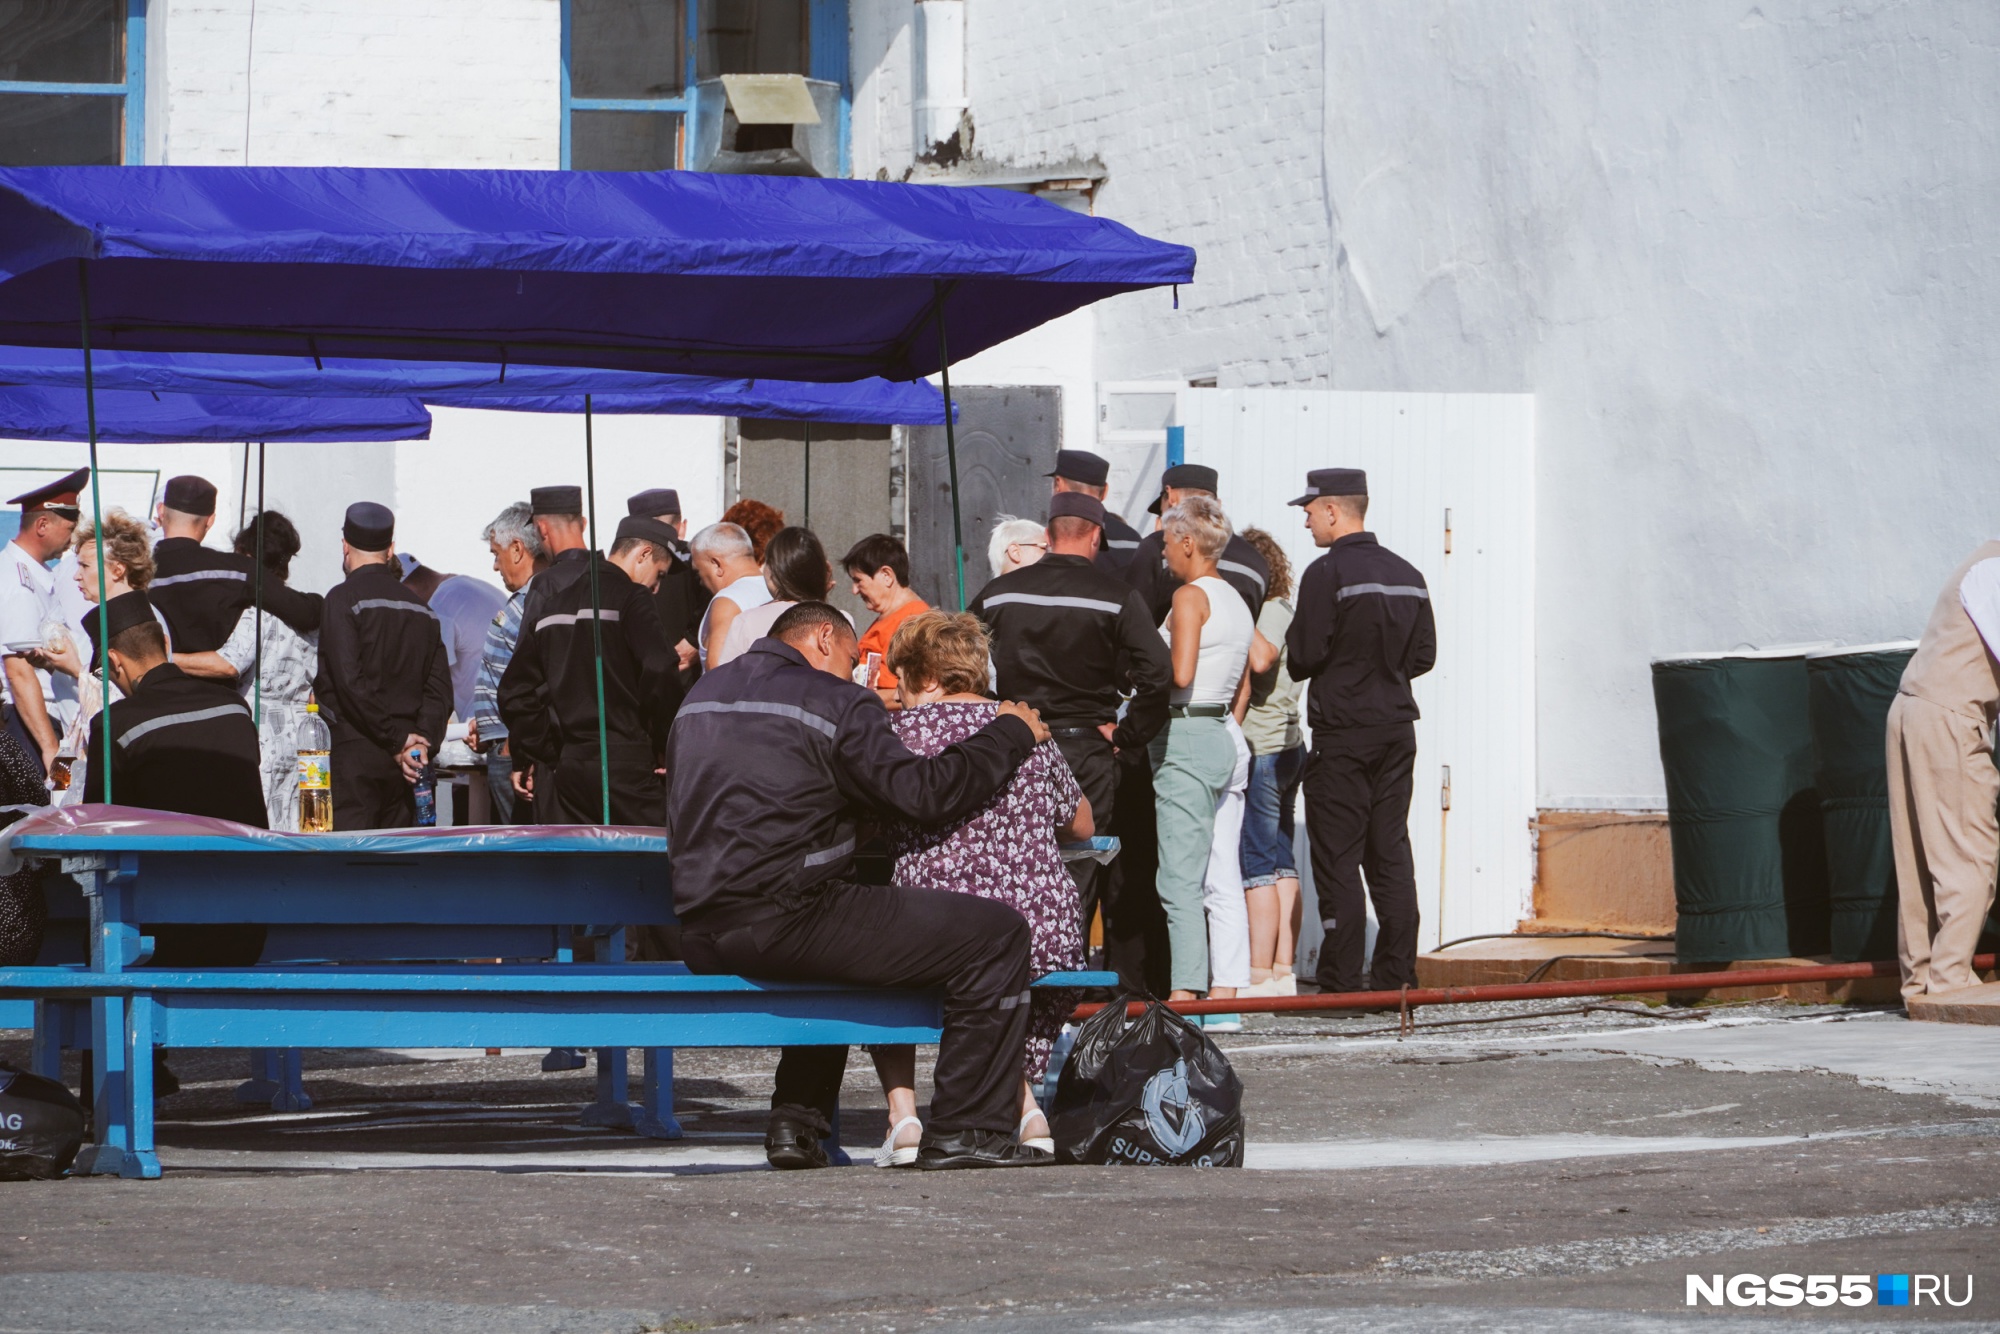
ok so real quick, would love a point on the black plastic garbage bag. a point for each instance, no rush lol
(1153, 1091)
(41, 1127)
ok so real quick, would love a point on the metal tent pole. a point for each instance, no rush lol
(596, 609)
(950, 444)
(97, 521)
(808, 520)
(257, 686)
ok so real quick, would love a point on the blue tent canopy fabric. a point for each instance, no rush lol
(480, 385)
(679, 272)
(137, 418)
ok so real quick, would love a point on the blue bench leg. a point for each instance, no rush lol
(141, 1163)
(655, 1117)
(51, 1023)
(262, 1086)
(110, 1098)
(291, 1095)
(613, 1108)
(563, 1058)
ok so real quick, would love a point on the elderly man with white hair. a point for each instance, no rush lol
(725, 559)
(1015, 543)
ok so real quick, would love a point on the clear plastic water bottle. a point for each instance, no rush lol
(427, 787)
(315, 774)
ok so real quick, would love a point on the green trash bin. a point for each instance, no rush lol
(1849, 692)
(1742, 812)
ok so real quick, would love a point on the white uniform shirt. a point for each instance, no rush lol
(27, 600)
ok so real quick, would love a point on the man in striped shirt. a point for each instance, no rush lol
(518, 555)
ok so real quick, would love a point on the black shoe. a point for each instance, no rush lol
(794, 1139)
(942, 1152)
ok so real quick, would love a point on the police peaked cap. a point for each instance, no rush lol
(59, 495)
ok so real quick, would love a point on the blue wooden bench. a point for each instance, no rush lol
(653, 1006)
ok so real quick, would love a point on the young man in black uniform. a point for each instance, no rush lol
(1085, 473)
(180, 744)
(775, 759)
(1073, 639)
(1240, 567)
(681, 596)
(548, 694)
(202, 592)
(1363, 632)
(383, 686)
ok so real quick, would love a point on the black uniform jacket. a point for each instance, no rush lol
(382, 672)
(548, 694)
(1363, 631)
(179, 743)
(1071, 640)
(681, 599)
(1240, 567)
(1121, 539)
(773, 762)
(203, 593)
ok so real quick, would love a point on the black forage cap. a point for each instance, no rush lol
(652, 504)
(1333, 482)
(190, 495)
(1076, 505)
(1080, 465)
(369, 527)
(1187, 477)
(556, 500)
(124, 611)
(646, 529)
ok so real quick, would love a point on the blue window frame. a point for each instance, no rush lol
(73, 83)
(629, 70)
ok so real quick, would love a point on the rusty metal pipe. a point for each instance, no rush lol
(1516, 991)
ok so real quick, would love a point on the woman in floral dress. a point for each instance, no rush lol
(1007, 850)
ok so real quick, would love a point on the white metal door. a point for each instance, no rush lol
(1466, 459)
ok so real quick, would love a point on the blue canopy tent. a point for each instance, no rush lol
(677, 272)
(131, 417)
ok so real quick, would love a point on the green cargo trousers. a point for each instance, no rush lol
(1193, 759)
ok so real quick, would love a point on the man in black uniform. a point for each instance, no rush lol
(1085, 473)
(1073, 639)
(203, 593)
(181, 744)
(383, 686)
(775, 759)
(681, 596)
(1240, 567)
(1363, 631)
(548, 694)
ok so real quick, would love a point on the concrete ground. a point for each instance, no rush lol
(1563, 1171)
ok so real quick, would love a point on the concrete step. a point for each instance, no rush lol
(1971, 1005)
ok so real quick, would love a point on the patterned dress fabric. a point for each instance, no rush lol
(1006, 851)
(23, 913)
(290, 661)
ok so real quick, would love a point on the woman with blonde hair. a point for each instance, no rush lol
(128, 567)
(1008, 851)
(1198, 754)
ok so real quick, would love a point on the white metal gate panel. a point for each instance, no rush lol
(1466, 459)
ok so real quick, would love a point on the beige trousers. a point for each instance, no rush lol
(1943, 790)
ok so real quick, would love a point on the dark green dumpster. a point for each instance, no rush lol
(1742, 812)
(1849, 692)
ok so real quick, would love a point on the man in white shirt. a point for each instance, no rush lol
(1942, 781)
(726, 561)
(27, 602)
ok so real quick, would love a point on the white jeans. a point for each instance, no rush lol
(1222, 887)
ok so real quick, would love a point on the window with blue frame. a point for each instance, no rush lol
(630, 68)
(72, 82)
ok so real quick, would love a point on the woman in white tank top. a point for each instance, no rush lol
(1195, 757)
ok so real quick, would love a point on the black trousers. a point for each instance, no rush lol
(1135, 927)
(369, 790)
(1358, 820)
(29, 746)
(888, 936)
(638, 795)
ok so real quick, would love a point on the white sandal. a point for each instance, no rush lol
(1045, 1143)
(891, 1156)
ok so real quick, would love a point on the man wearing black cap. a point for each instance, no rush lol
(383, 686)
(178, 743)
(1084, 473)
(1240, 567)
(203, 593)
(27, 603)
(1073, 639)
(681, 596)
(1363, 631)
(549, 693)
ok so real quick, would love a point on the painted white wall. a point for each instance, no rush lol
(1740, 254)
